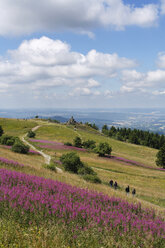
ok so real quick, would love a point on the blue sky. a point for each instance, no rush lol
(76, 53)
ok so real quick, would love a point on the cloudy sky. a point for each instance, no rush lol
(82, 53)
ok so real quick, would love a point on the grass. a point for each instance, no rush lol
(149, 184)
(16, 127)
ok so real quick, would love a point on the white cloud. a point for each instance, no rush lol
(44, 63)
(134, 81)
(29, 16)
(157, 93)
(84, 92)
(161, 60)
(163, 6)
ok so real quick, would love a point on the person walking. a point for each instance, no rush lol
(127, 190)
(115, 185)
(134, 192)
(111, 183)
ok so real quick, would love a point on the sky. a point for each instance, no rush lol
(82, 54)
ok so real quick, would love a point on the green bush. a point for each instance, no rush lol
(8, 140)
(92, 178)
(31, 134)
(103, 149)
(68, 144)
(19, 147)
(1, 131)
(71, 162)
(77, 142)
(86, 170)
(160, 161)
(89, 144)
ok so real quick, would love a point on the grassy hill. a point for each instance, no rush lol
(149, 182)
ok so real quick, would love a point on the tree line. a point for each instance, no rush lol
(135, 136)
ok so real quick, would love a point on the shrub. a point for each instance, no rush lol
(19, 147)
(86, 170)
(160, 161)
(50, 166)
(31, 134)
(103, 149)
(89, 144)
(68, 144)
(77, 142)
(92, 178)
(8, 140)
(1, 131)
(71, 162)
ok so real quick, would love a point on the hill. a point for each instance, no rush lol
(131, 165)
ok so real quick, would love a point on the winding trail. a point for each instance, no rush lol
(46, 156)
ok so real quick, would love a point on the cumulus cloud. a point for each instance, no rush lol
(161, 60)
(134, 81)
(46, 63)
(26, 17)
(163, 6)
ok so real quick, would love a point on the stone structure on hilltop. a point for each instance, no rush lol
(71, 121)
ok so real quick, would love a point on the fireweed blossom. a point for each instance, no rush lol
(10, 162)
(41, 198)
(54, 145)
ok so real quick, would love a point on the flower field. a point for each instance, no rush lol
(55, 145)
(36, 199)
(10, 162)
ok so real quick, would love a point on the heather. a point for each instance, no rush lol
(34, 200)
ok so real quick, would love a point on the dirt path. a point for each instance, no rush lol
(47, 157)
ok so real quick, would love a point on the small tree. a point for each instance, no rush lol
(77, 142)
(105, 129)
(19, 147)
(160, 161)
(1, 131)
(89, 144)
(71, 162)
(103, 149)
(31, 134)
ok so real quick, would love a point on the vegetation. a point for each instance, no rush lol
(8, 140)
(160, 161)
(19, 147)
(77, 142)
(103, 149)
(91, 125)
(68, 144)
(92, 178)
(135, 136)
(86, 170)
(71, 162)
(1, 131)
(39, 207)
(40, 212)
(31, 134)
(50, 166)
(89, 144)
